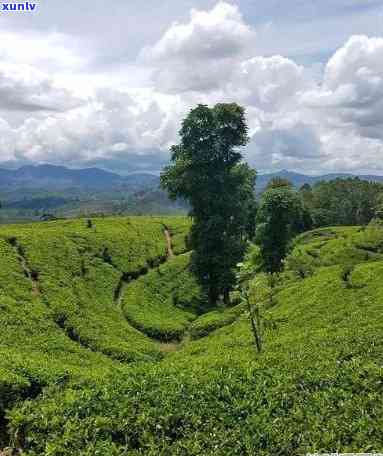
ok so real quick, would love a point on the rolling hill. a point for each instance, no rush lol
(106, 347)
(56, 178)
(32, 191)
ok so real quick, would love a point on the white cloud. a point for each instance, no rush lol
(53, 51)
(109, 124)
(218, 33)
(297, 147)
(269, 82)
(351, 96)
(24, 88)
(323, 120)
(200, 54)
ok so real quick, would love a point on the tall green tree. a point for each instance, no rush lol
(207, 170)
(281, 214)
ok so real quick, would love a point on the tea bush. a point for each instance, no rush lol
(215, 319)
(316, 386)
(164, 302)
(58, 313)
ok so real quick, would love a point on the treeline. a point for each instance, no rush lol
(350, 201)
(284, 212)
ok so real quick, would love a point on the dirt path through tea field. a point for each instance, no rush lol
(169, 242)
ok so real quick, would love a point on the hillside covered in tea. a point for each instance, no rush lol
(107, 346)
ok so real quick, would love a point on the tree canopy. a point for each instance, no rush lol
(207, 170)
(350, 201)
(281, 215)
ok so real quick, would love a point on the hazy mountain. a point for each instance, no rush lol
(58, 178)
(299, 179)
(25, 182)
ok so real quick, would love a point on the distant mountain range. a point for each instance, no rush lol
(299, 179)
(59, 178)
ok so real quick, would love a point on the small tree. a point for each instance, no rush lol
(280, 216)
(256, 291)
(244, 276)
(306, 193)
(106, 256)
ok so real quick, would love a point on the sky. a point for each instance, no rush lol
(100, 83)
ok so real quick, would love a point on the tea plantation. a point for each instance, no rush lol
(88, 311)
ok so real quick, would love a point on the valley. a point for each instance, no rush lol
(123, 357)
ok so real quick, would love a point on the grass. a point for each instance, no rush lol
(315, 387)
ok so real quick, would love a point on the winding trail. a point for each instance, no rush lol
(168, 237)
(128, 278)
(119, 292)
(125, 280)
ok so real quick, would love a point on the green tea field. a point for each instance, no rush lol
(106, 349)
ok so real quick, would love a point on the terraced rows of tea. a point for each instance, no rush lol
(107, 346)
(58, 289)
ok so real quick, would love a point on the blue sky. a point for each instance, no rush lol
(107, 83)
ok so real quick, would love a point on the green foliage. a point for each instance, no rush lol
(279, 182)
(34, 351)
(335, 246)
(179, 229)
(83, 305)
(58, 313)
(164, 302)
(345, 274)
(215, 319)
(301, 262)
(280, 215)
(315, 387)
(256, 292)
(350, 201)
(379, 206)
(206, 171)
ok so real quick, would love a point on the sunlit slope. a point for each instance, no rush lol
(316, 387)
(163, 302)
(168, 304)
(34, 351)
(337, 245)
(59, 285)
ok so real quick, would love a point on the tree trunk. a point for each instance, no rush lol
(226, 297)
(213, 296)
(255, 319)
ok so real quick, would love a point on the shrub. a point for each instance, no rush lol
(216, 319)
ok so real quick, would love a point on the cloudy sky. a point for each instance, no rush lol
(101, 83)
